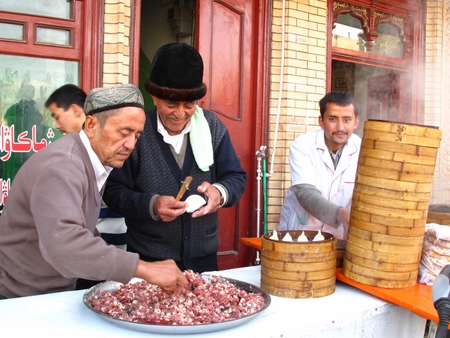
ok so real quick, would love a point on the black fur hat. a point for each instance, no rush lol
(177, 73)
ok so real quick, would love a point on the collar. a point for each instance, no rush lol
(101, 172)
(335, 157)
(176, 141)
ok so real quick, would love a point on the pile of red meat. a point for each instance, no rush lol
(201, 302)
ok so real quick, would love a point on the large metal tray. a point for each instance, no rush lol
(177, 329)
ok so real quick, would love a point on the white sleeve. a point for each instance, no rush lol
(301, 160)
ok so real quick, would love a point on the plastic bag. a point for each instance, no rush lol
(435, 252)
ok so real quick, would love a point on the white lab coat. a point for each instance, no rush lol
(311, 163)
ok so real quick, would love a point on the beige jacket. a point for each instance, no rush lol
(48, 222)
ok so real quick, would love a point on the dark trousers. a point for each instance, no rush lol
(85, 283)
(198, 265)
(201, 264)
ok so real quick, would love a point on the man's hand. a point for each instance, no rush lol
(213, 197)
(165, 274)
(168, 208)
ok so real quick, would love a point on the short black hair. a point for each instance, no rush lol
(342, 99)
(67, 95)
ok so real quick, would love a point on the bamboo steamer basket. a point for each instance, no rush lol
(439, 213)
(390, 203)
(298, 269)
(442, 218)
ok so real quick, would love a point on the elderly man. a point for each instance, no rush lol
(47, 228)
(180, 140)
(67, 107)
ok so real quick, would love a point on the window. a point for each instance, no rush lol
(376, 57)
(43, 45)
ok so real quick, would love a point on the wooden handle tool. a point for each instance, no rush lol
(184, 187)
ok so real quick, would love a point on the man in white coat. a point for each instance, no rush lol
(323, 168)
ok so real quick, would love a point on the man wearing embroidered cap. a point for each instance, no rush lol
(48, 223)
(180, 140)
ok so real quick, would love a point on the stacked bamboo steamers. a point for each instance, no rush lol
(390, 204)
(387, 221)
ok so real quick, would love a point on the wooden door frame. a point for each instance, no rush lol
(86, 46)
(261, 47)
(259, 99)
(135, 38)
(93, 36)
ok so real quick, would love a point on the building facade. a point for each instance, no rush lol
(300, 56)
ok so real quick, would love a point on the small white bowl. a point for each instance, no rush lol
(195, 202)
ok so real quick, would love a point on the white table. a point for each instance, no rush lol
(348, 312)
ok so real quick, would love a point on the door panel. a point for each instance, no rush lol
(228, 45)
(383, 101)
(226, 68)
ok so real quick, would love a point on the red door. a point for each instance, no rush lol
(228, 40)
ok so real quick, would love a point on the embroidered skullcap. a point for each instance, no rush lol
(177, 73)
(102, 99)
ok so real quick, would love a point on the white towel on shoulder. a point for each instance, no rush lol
(200, 137)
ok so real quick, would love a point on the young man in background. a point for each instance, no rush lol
(323, 169)
(67, 107)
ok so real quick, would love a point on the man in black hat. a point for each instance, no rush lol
(48, 223)
(180, 140)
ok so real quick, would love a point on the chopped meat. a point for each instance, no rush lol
(200, 302)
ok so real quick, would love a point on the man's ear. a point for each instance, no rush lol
(321, 121)
(90, 125)
(357, 121)
(155, 99)
(78, 111)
